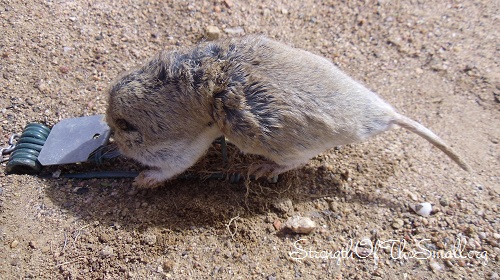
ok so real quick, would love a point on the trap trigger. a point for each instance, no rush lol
(73, 140)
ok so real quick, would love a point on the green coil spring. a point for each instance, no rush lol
(24, 157)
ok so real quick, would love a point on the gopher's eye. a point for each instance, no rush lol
(125, 125)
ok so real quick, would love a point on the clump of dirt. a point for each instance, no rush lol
(436, 62)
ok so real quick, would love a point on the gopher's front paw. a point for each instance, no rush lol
(148, 179)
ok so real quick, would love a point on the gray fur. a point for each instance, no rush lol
(267, 98)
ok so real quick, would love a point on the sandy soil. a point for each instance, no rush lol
(436, 61)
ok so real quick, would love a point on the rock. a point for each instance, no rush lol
(15, 261)
(107, 251)
(33, 244)
(45, 249)
(103, 237)
(435, 266)
(234, 30)
(482, 235)
(363, 252)
(228, 3)
(283, 206)
(397, 223)
(444, 201)
(168, 265)
(277, 224)
(413, 196)
(299, 224)
(42, 87)
(149, 239)
(423, 209)
(496, 235)
(266, 12)
(212, 32)
(64, 69)
(14, 244)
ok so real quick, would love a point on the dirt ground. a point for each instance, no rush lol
(436, 61)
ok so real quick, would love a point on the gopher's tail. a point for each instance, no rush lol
(421, 130)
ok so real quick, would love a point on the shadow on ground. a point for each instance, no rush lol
(184, 204)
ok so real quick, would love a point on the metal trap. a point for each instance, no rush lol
(76, 140)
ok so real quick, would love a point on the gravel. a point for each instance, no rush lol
(435, 61)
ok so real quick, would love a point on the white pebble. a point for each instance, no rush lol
(234, 31)
(435, 266)
(107, 251)
(423, 209)
(299, 224)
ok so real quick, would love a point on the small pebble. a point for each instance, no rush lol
(33, 244)
(299, 224)
(45, 249)
(413, 196)
(107, 252)
(435, 266)
(363, 252)
(64, 69)
(496, 235)
(149, 239)
(103, 237)
(228, 3)
(378, 272)
(283, 206)
(42, 87)
(277, 224)
(440, 245)
(482, 235)
(14, 244)
(266, 12)
(212, 32)
(444, 201)
(234, 31)
(15, 261)
(168, 265)
(56, 174)
(398, 223)
(423, 209)
(494, 276)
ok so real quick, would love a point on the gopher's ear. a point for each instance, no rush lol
(125, 125)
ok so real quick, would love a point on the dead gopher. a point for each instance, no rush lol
(267, 98)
